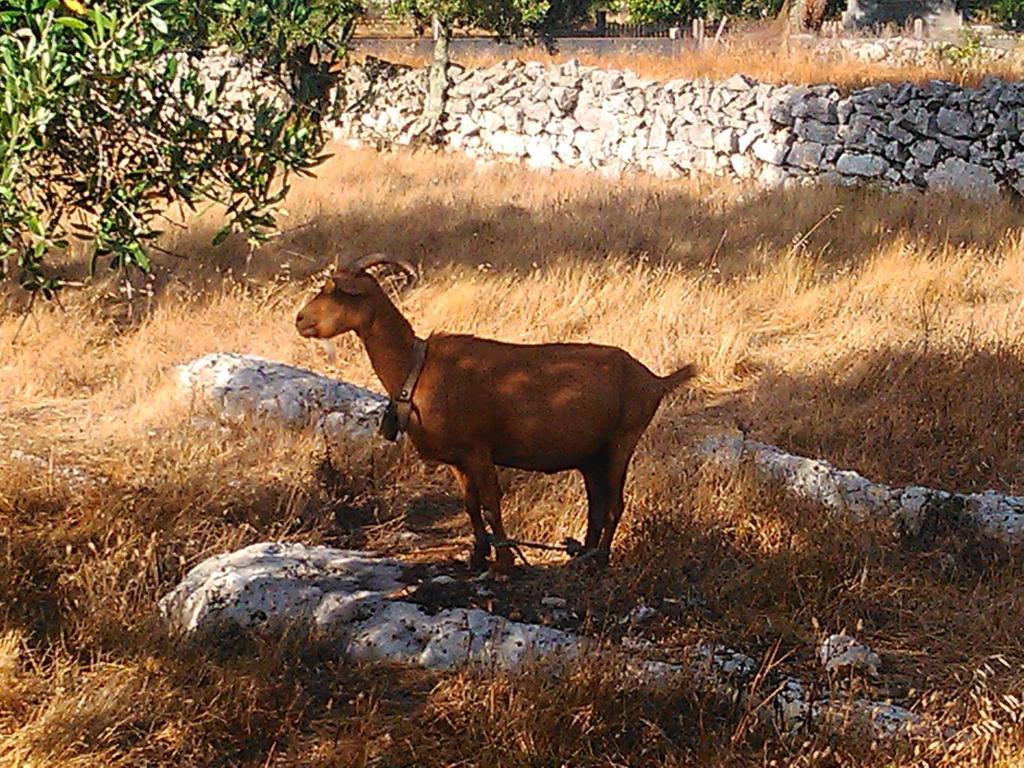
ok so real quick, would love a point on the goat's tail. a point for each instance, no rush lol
(680, 377)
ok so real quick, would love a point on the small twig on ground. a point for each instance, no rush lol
(302, 256)
(711, 265)
(178, 224)
(175, 254)
(801, 241)
(290, 230)
(129, 291)
(57, 301)
(24, 319)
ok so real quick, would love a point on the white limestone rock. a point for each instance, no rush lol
(857, 164)
(769, 151)
(806, 155)
(234, 388)
(841, 653)
(849, 493)
(403, 633)
(277, 585)
(347, 597)
(964, 177)
(354, 599)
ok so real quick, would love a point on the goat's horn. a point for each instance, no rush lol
(374, 259)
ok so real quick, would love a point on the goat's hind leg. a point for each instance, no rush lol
(471, 497)
(616, 471)
(595, 478)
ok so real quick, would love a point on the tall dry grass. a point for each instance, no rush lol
(763, 52)
(879, 331)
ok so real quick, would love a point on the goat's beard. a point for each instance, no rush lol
(330, 349)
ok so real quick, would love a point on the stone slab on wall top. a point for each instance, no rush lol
(940, 17)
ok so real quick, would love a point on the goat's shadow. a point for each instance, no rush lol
(431, 511)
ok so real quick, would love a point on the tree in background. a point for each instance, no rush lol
(528, 20)
(1008, 12)
(799, 14)
(107, 118)
(679, 11)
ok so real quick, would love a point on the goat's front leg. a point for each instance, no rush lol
(471, 497)
(485, 477)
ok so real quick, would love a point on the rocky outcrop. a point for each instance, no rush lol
(916, 512)
(355, 600)
(236, 388)
(346, 596)
(931, 136)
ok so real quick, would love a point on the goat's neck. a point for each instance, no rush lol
(389, 343)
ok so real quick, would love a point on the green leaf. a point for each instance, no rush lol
(71, 22)
(197, 146)
(222, 235)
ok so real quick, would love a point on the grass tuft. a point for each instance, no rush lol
(878, 331)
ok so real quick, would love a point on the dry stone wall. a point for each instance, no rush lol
(930, 136)
(903, 50)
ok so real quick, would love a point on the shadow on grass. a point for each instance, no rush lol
(440, 210)
(719, 559)
(665, 224)
(946, 418)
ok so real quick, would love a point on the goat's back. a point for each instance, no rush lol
(534, 406)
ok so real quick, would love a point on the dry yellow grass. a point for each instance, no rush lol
(761, 52)
(879, 331)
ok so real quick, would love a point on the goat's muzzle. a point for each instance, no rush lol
(306, 327)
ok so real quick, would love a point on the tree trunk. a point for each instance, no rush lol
(437, 89)
(797, 15)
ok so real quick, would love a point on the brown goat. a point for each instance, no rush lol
(479, 403)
